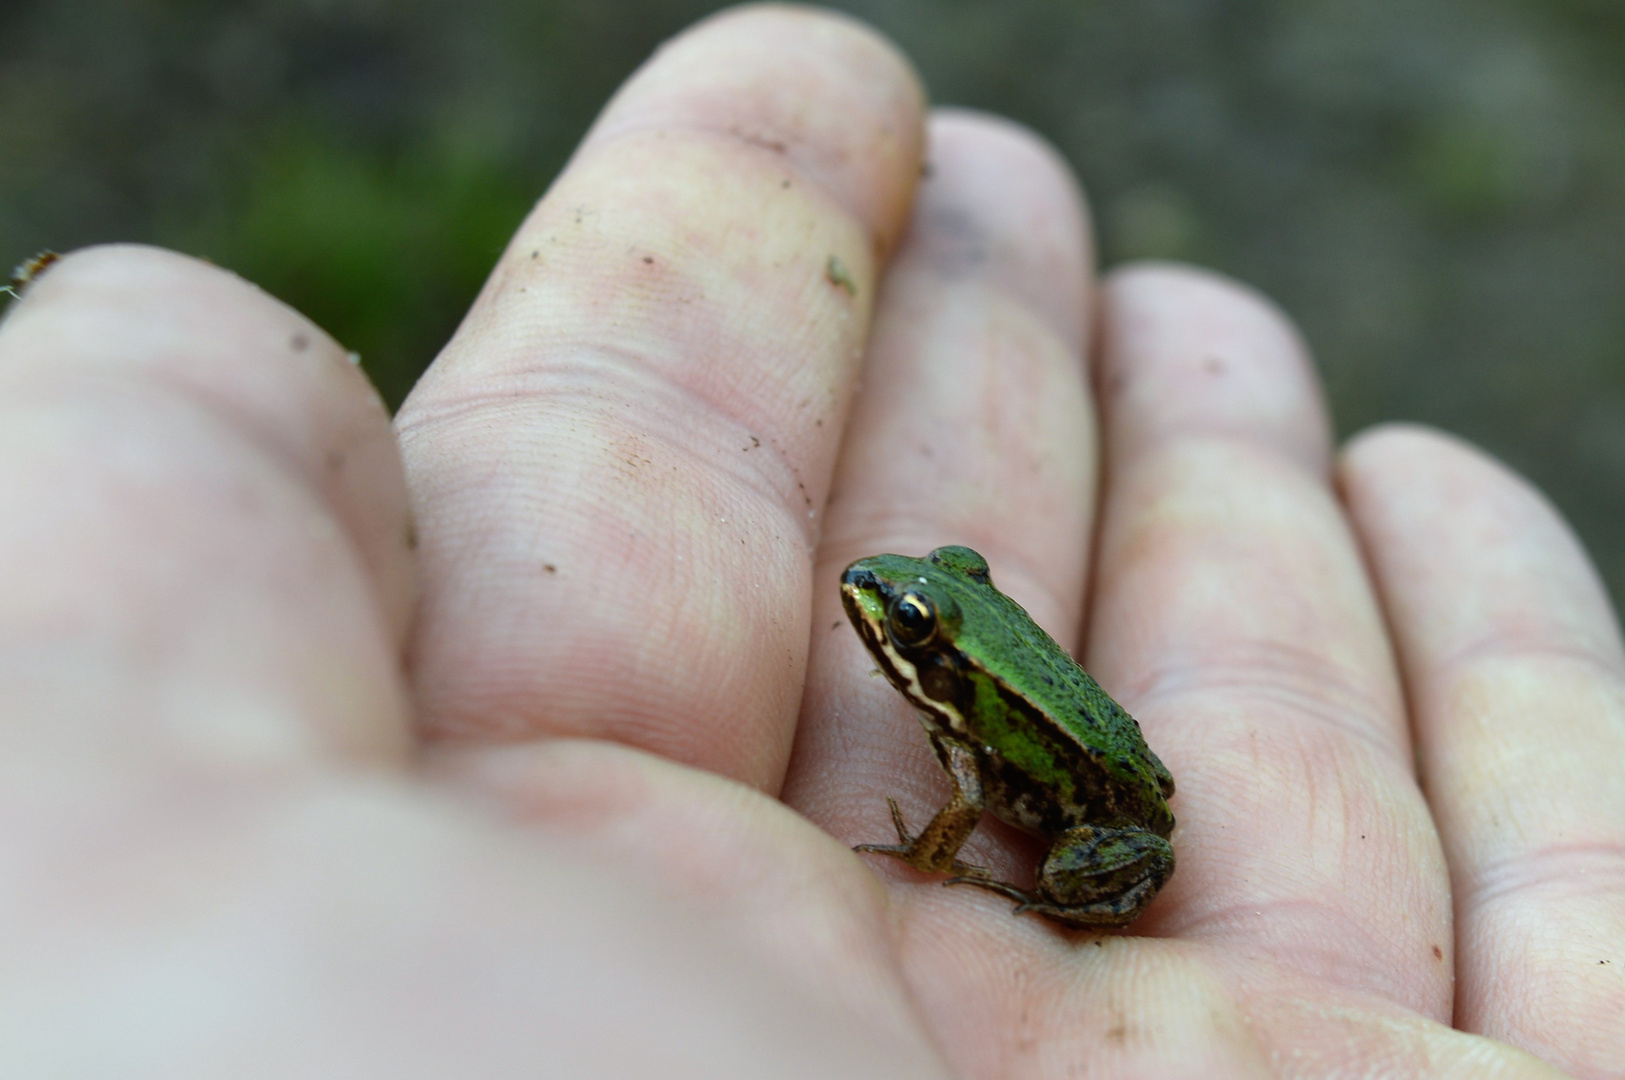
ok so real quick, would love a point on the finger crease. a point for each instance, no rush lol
(598, 379)
(1566, 870)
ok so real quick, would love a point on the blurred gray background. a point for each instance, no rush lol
(1435, 189)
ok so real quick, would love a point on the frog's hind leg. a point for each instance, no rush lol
(1092, 876)
(1110, 914)
(1100, 876)
(935, 849)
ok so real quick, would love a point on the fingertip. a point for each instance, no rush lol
(1464, 547)
(1187, 351)
(1000, 202)
(1397, 440)
(748, 72)
(134, 315)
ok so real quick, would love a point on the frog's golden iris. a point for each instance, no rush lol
(1023, 732)
(911, 619)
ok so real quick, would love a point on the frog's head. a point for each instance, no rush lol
(907, 612)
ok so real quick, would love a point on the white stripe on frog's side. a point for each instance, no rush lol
(915, 693)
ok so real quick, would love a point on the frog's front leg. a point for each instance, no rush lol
(1093, 876)
(935, 849)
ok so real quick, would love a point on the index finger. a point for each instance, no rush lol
(619, 462)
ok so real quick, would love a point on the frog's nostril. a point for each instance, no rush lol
(859, 579)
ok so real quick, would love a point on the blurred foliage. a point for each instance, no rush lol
(1435, 189)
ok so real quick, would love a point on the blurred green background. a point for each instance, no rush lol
(1435, 189)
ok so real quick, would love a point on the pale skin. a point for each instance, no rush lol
(568, 787)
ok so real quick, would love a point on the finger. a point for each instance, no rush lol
(974, 427)
(619, 461)
(1234, 616)
(1513, 662)
(204, 546)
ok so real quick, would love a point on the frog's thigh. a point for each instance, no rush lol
(1090, 865)
(1116, 912)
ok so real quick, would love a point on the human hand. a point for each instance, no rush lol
(635, 479)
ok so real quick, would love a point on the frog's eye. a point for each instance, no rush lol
(912, 620)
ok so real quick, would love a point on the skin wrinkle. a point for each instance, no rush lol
(1502, 644)
(1528, 860)
(1305, 951)
(1488, 702)
(794, 491)
(1274, 664)
(1312, 762)
(597, 268)
(1338, 704)
(615, 375)
(1568, 870)
(1218, 442)
(1299, 683)
(1306, 757)
(1294, 704)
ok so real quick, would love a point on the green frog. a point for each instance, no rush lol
(1023, 731)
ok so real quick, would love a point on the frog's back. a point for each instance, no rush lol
(1059, 687)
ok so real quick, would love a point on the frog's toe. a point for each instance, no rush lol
(965, 873)
(897, 822)
(984, 879)
(899, 851)
(904, 848)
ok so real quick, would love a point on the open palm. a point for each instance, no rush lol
(602, 826)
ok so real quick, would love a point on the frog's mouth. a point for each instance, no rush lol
(862, 595)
